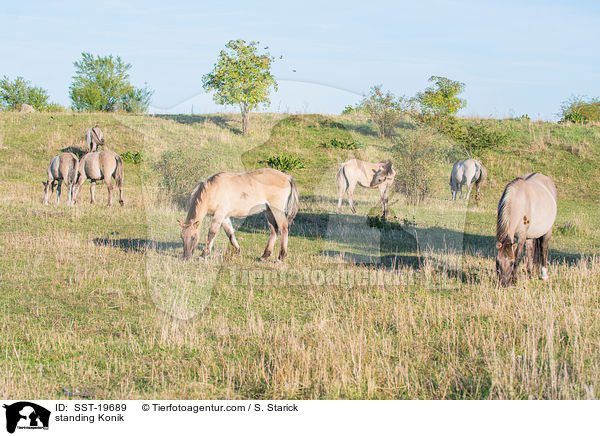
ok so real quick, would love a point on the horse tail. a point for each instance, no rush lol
(119, 171)
(73, 170)
(292, 204)
(482, 175)
(341, 180)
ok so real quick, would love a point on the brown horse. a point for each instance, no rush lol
(225, 195)
(62, 169)
(526, 212)
(101, 165)
(368, 175)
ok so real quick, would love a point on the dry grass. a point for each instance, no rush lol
(97, 299)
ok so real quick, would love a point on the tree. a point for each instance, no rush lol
(442, 98)
(102, 84)
(19, 91)
(241, 77)
(384, 109)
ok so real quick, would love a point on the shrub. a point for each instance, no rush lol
(341, 144)
(284, 162)
(383, 109)
(577, 110)
(134, 157)
(20, 91)
(413, 175)
(474, 135)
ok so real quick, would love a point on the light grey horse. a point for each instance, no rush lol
(368, 175)
(62, 169)
(94, 137)
(467, 172)
(101, 165)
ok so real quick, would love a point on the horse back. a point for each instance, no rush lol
(535, 204)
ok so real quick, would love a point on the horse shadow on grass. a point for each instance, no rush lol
(216, 119)
(140, 245)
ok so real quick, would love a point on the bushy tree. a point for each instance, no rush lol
(242, 77)
(384, 109)
(578, 110)
(20, 91)
(441, 99)
(101, 83)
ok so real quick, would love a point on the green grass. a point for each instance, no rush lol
(97, 299)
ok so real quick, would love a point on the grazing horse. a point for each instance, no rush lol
(101, 165)
(467, 172)
(368, 175)
(526, 212)
(62, 169)
(224, 195)
(94, 138)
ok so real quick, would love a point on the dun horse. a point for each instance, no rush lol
(62, 169)
(101, 165)
(225, 195)
(526, 214)
(368, 175)
(467, 172)
(94, 138)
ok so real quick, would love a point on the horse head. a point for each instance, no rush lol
(189, 235)
(382, 173)
(505, 262)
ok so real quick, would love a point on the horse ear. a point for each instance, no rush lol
(498, 245)
(196, 225)
(180, 223)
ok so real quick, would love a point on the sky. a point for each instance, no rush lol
(515, 57)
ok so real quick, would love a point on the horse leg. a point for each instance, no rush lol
(341, 191)
(121, 201)
(544, 246)
(282, 225)
(93, 191)
(272, 235)
(469, 186)
(350, 194)
(58, 191)
(47, 186)
(109, 188)
(215, 224)
(530, 255)
(518, 256)
(229, 231)
(383, 190)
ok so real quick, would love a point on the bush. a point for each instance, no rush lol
(284, 163)
(134, 157)
(384, 109)
(341, 144)
(20, 91)
(413, 175)
(577, 110)
(474, 135)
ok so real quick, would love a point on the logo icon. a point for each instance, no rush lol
(26, 415)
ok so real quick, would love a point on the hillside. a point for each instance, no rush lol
(98, 299)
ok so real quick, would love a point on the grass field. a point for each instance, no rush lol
(97, 299)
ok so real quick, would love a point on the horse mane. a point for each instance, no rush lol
(386, 165)
(197, 195)
(504, 211)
